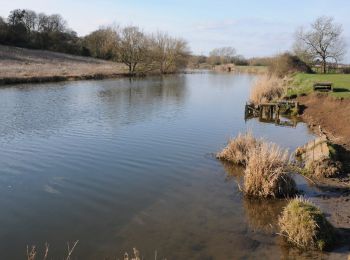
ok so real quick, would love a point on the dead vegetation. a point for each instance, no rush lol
(24, 65)
(318, 159)
(324, 168)
(266, 166)
(304, 225)
(238, 148)
(267, 88)
(266, 174)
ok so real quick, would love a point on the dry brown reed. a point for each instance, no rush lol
(267, 88)
(266, 173)
(304, 225)
(238, 148)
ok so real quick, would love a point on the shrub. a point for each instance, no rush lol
(286, 63)
(265, 173)
(304, 225)
(266, 89)
(238, 148)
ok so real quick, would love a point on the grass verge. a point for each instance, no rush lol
(303, 84)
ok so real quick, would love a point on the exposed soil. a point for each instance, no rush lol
(331, 116)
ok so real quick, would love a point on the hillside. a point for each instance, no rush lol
(19, 65)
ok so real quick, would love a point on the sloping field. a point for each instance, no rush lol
(19, 65)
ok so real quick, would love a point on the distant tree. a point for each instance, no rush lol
(30, 20)
(51, 23)
(323, 41)
(168, 53)
(103, 43)
(239, 60)
(3, 30)
(17, 32)
(222, 55)
(16, 17)
(133, 47)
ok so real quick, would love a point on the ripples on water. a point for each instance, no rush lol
(124, 163)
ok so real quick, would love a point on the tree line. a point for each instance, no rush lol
(139, 51)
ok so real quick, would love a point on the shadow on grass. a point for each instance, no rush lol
(341, 90)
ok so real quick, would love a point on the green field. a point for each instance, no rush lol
(302, 84)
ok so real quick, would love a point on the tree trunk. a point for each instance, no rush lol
(324, 66)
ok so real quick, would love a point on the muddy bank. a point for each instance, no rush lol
(332, 114)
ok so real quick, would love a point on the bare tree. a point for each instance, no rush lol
(323, 41)
(133, 47)
(169, 54)
(51, 23)
(222, 55)
(30, 20)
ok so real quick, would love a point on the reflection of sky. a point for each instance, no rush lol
(254, 27)
(82, 160)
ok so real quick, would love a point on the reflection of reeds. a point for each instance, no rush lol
(265, 174)
(32, 254)
(262, 215)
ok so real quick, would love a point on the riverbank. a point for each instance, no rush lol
(20, 65)
(331, 115)
(241, 69)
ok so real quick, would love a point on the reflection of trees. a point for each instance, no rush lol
(262, 215)
(43, 109)
(130, 100)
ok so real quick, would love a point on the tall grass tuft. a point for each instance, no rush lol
(304, 225)
(266, 173)
(238, 148)
(267, 88)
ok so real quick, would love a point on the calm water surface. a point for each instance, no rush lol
(124, 163)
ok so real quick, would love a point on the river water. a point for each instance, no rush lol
(122, 163)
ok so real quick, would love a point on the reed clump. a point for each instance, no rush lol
(303, 224)
(267, 88)
(266, 174)
(238, 148)
(324, 168)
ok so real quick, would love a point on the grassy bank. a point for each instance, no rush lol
(19, 65)
(302, 84)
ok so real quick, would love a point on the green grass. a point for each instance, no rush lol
(302, 84)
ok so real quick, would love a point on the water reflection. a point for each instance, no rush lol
(262, 215)
(119, 163)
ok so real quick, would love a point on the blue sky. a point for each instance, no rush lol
(254, 28)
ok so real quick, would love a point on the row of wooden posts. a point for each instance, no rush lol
(269, 111)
